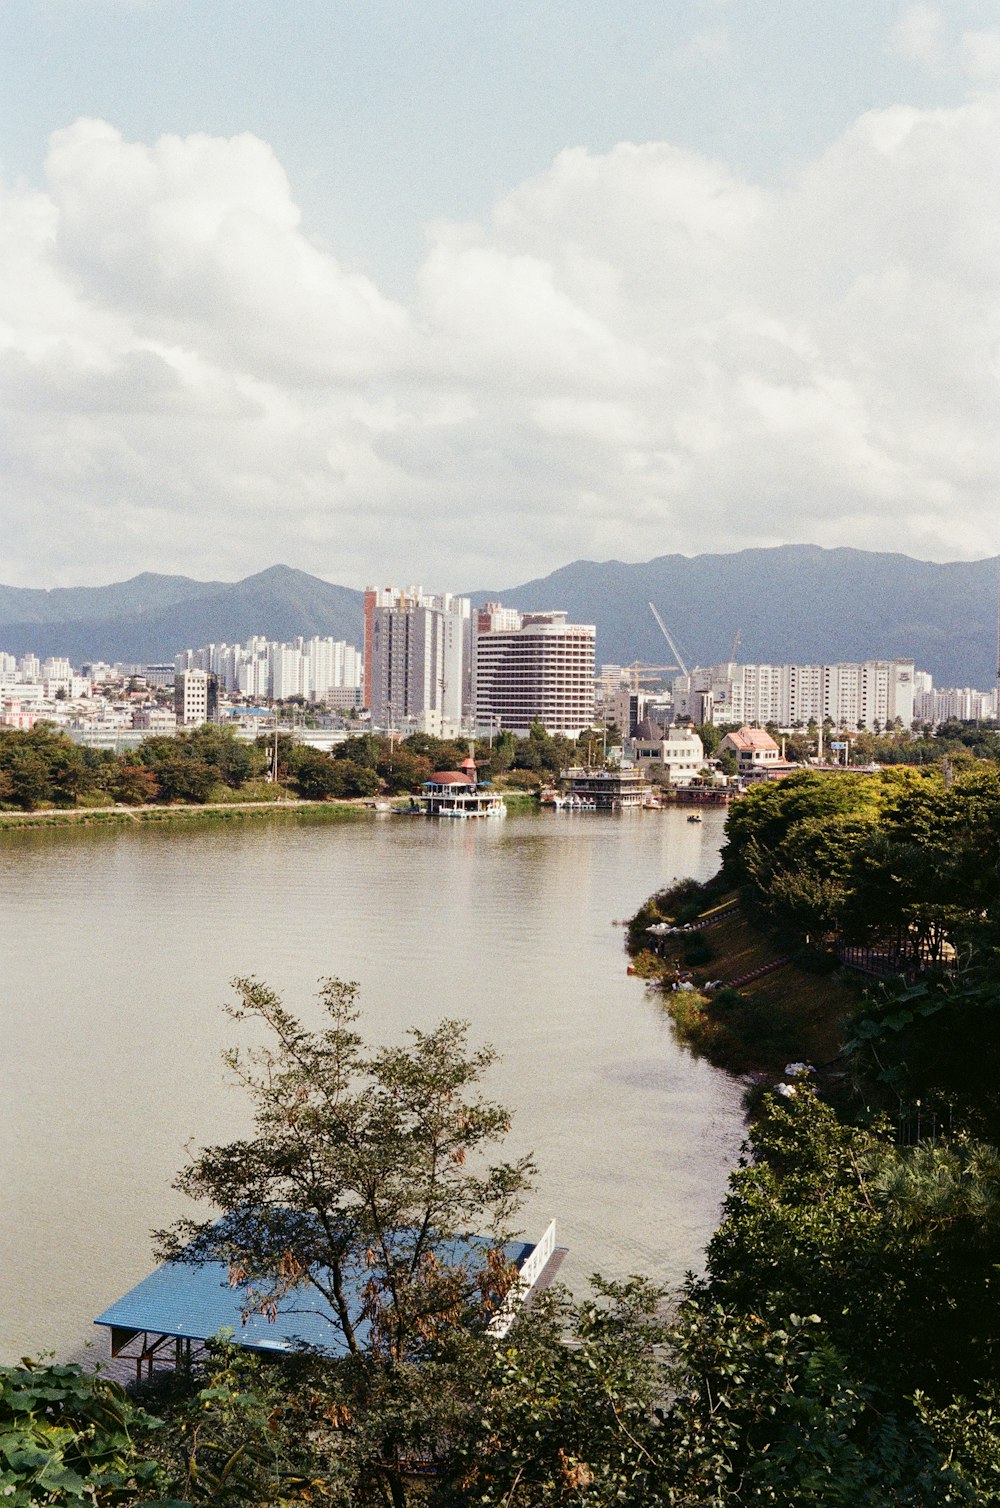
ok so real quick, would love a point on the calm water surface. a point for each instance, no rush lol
(116, 952)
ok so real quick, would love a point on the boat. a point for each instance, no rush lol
(695, 817)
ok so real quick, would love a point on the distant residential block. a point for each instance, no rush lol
(851, 695)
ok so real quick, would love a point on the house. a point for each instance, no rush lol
(757, 754)
(458, 793)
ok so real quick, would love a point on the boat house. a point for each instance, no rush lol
(606, 790)
(459, 793)
(167, 1318)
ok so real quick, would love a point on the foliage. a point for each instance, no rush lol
(69, 1437)
(894, 1247)
(43, 767)
(681, 902)
(766, 1411)
(737, 1031)
(187, 765)
(135, 784)
(318, 777)
(568, 1413)
(364, 1166)
(245, 1432)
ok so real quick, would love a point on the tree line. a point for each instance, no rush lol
(44, 767)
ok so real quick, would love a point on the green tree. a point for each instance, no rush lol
(501, 755)
(183, 777)
(894, 1247)
(27, 778)
(363, 1161)
(316, 775)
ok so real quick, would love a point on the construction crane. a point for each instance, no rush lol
(639, 671)
(664, 630)
(632, 676)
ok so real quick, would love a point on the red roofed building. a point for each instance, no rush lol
(457, 793)
(757, 753)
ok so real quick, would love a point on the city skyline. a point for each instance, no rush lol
(493, 292)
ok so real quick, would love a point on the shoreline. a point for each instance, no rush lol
(124, 816)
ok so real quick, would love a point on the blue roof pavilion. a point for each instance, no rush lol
(188, 1303)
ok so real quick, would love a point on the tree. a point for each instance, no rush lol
(894, 1247)
(182, 778)
(402, 769)
(364, 1168)
(502, 754)
(28, 779)
(135, 784)
(317, 776)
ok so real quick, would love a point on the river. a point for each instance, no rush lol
(116, 952)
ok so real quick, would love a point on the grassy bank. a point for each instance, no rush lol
(518, 801)
(211, 812)
(234, 806)
(793, 1008)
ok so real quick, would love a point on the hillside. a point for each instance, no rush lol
(795, 602)
(152, 617)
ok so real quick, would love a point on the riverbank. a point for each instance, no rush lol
(125, 816)
(734, 993)
(213, 811)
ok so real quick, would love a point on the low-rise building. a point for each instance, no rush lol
(670, 756)
(607, 790)
(757, 754)
(155, 719)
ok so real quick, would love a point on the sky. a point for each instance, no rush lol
(456, 293)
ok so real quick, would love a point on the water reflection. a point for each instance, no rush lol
(118, 949)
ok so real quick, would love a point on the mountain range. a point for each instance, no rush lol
(790, 603)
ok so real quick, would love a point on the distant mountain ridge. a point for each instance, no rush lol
(151, 618)
(797, 603)
(792, 602)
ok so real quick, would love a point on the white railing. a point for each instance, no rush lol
(530, 1271)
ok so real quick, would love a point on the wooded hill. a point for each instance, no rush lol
(792, 603)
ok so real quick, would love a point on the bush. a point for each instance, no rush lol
(697, 950)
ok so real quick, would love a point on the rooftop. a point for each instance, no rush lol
(195, 1301)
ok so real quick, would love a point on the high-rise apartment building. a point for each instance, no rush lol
(417, 658)
(196, 698)
(323, 670)
(533, 667)
(861, 693)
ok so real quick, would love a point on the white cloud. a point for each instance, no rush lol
(923, 36)
(641, 352)
(981, 52)
(919, 35)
